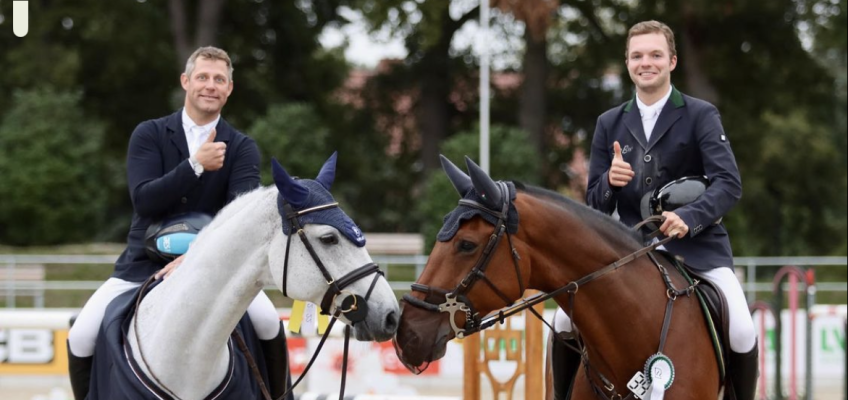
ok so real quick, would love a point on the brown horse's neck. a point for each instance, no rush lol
(566, 244)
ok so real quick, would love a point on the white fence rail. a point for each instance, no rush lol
(11, 286)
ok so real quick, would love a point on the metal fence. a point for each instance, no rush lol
(400, 270)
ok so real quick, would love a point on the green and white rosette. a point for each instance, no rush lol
(660, 372)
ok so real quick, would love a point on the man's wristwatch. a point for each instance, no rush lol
(195, 165)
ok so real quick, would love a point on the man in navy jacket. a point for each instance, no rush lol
(657, 137)
(189, 161)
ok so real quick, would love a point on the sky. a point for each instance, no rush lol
(363, 50)
(366, 50)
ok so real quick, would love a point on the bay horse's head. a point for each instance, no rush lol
(319, 256)
(473, 269)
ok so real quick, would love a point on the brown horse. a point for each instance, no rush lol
(504, 238)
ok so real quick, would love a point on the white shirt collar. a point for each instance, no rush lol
(653, 110)
(196, 134)
(189, 123)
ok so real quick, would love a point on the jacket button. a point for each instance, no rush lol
(647, 158)
(184, 200)
(648, 181)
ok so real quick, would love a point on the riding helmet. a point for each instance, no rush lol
(169, 238)
(673, 195)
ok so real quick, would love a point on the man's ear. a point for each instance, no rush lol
(673, 63)
(184, 80)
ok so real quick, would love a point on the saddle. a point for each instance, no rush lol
(117, 376)
(714, 308)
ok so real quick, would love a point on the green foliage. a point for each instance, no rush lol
(512, 158)
(789, 193)
(294, 134)
(51, 181)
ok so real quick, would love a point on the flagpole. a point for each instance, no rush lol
(484, 85)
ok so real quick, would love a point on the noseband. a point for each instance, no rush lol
(457, 300)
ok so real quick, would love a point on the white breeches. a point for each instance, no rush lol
(742, 333)
(83, 335)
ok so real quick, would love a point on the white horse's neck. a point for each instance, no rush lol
(183, 329)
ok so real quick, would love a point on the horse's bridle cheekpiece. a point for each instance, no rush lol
(493, 202)
(353, 307)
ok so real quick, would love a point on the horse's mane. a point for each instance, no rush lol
(237, 206)
(607, 226)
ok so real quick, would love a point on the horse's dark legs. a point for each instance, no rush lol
(277, 362)
(564, 365)
(743, 371)
(79, 369)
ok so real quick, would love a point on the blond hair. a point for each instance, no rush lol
(209, 53)
(646, 27)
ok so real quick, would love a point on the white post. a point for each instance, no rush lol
(484, 85)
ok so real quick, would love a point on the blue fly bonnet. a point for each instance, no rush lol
(463, 212)
(303, 194)
(335, 217)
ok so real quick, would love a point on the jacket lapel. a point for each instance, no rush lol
(633, 121)
(178, 137)
(671, 112)
(224, 131)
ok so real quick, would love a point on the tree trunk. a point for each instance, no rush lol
(208, 19)
(176, 9)
(433, 113)
(433, 109)
(697, 82)
(533, 101)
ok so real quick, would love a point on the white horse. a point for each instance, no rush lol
(182, 327)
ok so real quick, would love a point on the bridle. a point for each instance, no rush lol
(456, 300)
(354, 307)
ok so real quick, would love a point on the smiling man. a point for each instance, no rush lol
(191, 161)
(662, 138)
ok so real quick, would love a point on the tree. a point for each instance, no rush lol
(52, 187)
(513, 159)
(294, 134)
(533, 104)
(429, 28)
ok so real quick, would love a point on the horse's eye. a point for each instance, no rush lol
(330, 238)
(466, 246)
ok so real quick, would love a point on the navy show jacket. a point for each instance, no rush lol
(688, 140)
(162, 183)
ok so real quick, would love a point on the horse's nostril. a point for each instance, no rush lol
(391, 323)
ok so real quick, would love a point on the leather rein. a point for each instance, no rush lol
(456, 300)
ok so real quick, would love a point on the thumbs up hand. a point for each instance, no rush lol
(620, 172)
(211, 153)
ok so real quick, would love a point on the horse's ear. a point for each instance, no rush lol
(485, 186)
(328, 172)
(461, 181)
(292, 190)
